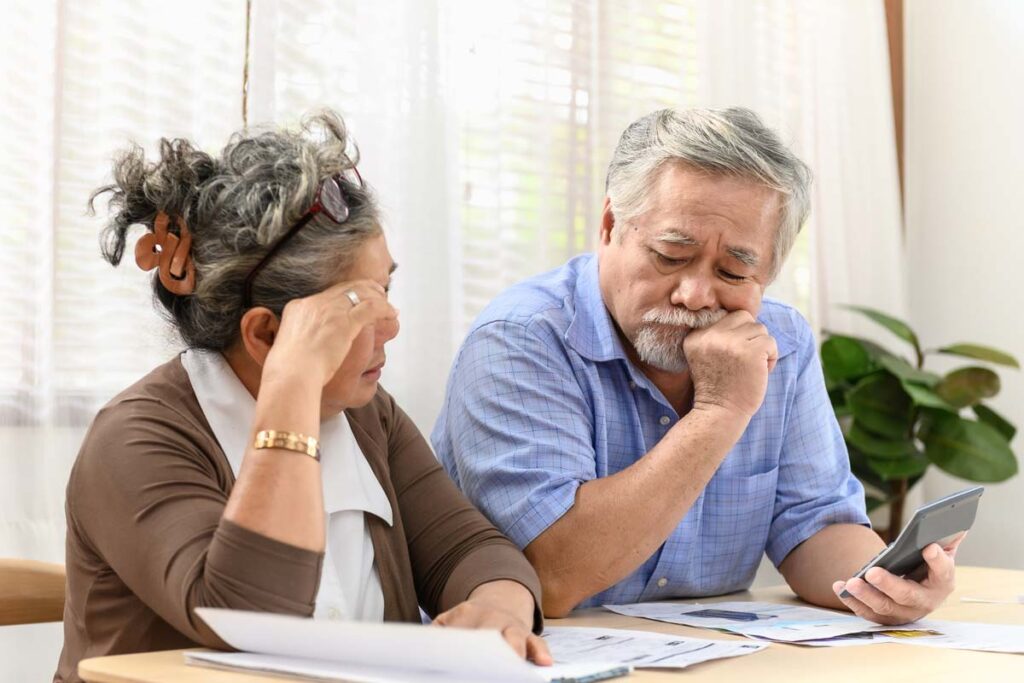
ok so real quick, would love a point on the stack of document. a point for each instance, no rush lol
(823, 628)
(384, 653)
(639, 649)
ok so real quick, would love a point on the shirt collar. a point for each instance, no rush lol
(348, 481)
(593, 334)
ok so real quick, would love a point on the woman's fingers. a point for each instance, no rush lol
(372, 311)
(517, 635)
(537, 650)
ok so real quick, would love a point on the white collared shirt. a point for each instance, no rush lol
(349, 583)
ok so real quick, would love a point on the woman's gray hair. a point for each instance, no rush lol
(237, 205)
(726, 141)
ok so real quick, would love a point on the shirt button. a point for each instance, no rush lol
(662, 582)
(664, 419)
(632, 385)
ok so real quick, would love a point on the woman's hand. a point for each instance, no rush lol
(318, 331)
(507, 607)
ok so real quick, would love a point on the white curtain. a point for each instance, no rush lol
(485, 128)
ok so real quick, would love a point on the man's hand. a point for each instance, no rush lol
(888, 599)
(729, 362)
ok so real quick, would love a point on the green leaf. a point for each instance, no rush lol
(831, 384)
(979, 352)
(863, 472)
(880, 405)
(871, 503)
(967, 386)
(994, 419)
(926, 398)
(967, 449)
(875, 350)
(845, 358)
(899, 468)
(897, 327)
(878, 447)
(907, 372)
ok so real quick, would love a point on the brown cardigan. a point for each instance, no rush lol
(146, 542)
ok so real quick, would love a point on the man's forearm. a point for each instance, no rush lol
(835, 553)
(617, 522)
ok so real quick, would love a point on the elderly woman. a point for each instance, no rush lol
(264, 468)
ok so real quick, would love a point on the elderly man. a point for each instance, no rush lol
(643, 423)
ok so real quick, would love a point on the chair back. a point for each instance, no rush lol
(30, 592)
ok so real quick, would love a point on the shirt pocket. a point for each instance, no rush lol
(737, 514)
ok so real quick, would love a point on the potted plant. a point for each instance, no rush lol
(898, 418)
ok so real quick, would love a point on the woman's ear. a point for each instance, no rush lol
(259, 329)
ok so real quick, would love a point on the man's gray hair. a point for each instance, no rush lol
(237, 205)
(730, 141)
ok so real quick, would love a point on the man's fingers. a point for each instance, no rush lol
(874, 599)
(752, 330)
(855, 605)
(771, 350)
(734, 320)
(901, 591)
(867, 603)
(952, 546)
(537, 651)
(941, 567)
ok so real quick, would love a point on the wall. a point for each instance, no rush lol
(965, 226)
(32, 526)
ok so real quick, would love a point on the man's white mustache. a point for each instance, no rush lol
(681, 317)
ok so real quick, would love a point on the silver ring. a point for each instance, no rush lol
(353, 297)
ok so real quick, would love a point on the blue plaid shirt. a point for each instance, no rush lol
(542, 398)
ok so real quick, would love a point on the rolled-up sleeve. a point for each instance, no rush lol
(516, 432)
(146, 498)
(815, 486)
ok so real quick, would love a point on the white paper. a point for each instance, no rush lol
(324, 670)
(371, 652)
(850, 640)
(769, 621)
(640, 649)
(1010, 600)
(960, 635)
(316, 668)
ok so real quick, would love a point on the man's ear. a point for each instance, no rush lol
(607, 223)
(259, 329)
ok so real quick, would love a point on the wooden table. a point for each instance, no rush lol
(778, 663)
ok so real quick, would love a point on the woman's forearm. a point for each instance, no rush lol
(278, 493)
(507, 595)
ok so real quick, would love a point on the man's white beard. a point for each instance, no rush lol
(659, 340)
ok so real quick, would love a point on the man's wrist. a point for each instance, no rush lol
(720, 414)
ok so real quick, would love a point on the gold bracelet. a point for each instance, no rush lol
(290, 441)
